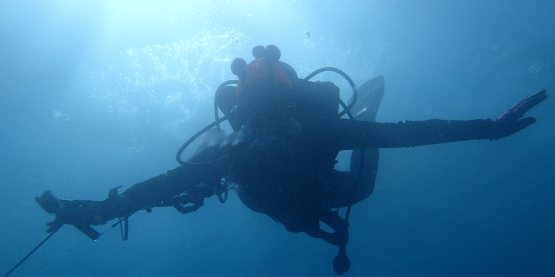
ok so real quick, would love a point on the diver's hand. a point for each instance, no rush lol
(76, 212)
(66, 215)
(88, 212)
(510, 121)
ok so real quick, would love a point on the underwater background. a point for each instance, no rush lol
(97, 94)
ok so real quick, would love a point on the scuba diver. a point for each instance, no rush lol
(287, 132)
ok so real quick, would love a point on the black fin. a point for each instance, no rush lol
(370, 96)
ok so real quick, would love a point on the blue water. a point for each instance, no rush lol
(96, 94)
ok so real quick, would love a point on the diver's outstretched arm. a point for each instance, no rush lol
(358, 134)
(161, 191)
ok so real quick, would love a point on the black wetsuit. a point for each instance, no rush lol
(293, 181)
(282, 153)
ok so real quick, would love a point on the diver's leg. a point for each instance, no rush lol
(364, 163)
(364, 168)
(358, 184)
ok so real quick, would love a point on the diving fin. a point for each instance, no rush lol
(370, 96)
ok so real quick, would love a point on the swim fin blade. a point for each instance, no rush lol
(370, 96)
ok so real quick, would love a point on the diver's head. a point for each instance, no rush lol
(264, 89)
(264, 68)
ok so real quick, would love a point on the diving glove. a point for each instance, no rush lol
(510, 121)
(83, 213)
